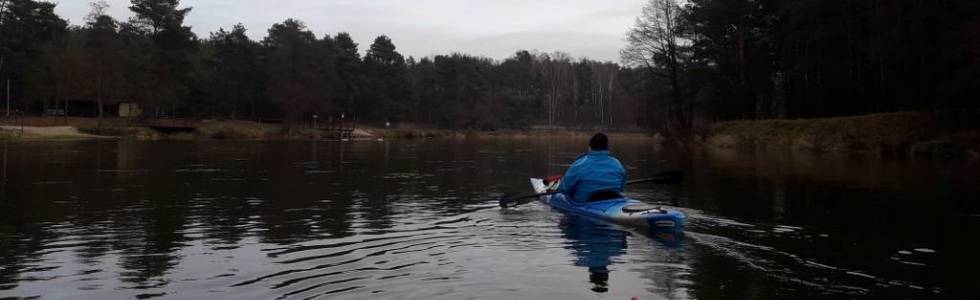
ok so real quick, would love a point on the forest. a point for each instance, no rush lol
(685, 64)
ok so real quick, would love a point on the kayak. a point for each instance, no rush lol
(622, 211)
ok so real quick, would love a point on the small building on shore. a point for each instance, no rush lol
(129, 110)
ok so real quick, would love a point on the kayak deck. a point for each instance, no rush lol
(623, 211)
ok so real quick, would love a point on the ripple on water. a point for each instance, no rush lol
(715, 235)
(354, 263)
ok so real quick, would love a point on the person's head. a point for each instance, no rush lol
(599, 142)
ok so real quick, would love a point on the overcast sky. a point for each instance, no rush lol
(494, 28)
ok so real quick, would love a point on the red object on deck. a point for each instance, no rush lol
(552, 178)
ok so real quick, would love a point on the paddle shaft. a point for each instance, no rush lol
(645, 180)
(514, 201)
(670, 177)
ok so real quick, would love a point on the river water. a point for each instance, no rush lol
(417, 219)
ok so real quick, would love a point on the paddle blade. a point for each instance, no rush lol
(507, 199)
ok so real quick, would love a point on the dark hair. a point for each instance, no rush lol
(599, 142)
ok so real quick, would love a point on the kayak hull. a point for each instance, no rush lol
(623, 211)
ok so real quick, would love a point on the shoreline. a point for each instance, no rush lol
(902, 133)
(59, 128)
(56, 133)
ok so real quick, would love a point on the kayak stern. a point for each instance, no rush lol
(623, 211)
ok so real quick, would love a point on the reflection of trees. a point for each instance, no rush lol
(300, 199)
(278, 188)
(148, 240)
(136, 200)
(3, 174)
(19, 245)
(334, 201)
(148, 252)
(446, 176)
(378, 188)
(23, 207)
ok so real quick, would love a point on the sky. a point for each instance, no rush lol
(492, 28)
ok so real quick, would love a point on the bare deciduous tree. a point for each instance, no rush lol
(556, 69)
(654, 44)
(603, 82)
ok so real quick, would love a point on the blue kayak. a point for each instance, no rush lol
(623, 211)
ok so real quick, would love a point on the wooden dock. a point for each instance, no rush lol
(340, 129)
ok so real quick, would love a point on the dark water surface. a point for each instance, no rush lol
(418, 219)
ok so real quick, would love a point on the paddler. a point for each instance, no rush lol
(595, 175)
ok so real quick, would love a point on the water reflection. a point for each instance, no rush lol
(3, 173)
(121, 219)
(596, 245)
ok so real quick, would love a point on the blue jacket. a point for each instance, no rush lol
(592, 172)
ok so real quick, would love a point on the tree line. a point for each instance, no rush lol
(712, 60)
(686, 64)
(292, 74)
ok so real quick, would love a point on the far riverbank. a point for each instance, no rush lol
(905, 133)
(61, 128)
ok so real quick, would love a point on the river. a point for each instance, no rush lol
(417, 219)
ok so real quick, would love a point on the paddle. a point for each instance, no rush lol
(669, 177)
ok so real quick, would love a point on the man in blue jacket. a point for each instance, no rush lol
(595, 175)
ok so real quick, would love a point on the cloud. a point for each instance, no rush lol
(495, 28)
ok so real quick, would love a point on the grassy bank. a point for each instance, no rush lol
(53, 133)
(422, 132)
(248, 130)
(910, 133)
